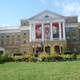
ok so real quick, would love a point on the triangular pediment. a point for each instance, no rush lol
(46, 15)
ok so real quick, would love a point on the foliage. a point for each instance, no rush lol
(28, 57)
(56, 57)
(6, 57)
(69, 57)
(66, 57)
(44, 56)
(78, 57)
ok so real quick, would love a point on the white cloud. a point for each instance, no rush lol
(72, 8)
(68, 7)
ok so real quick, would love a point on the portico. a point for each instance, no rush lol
(48, 28)
(61, 31)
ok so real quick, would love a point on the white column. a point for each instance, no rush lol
(30, 32)
(64, 35)
(34, 32)
(51, 34)
(42, 32)
(60, 37)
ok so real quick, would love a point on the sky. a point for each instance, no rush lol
(12, 11)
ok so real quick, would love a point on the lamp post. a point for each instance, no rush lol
(42, 46)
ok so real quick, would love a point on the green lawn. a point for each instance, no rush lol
(40, 71)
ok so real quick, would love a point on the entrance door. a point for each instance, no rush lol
(57, 49)
(47, 49)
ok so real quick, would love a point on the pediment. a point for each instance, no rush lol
(46, 15)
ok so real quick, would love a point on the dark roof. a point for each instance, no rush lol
(72, 19)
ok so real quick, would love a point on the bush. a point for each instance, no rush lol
(18, 58)
(1, 59)
(78, 57)
(38, 57)
(44, 56)
(6, 58)
(28, 57)
(56, 57)
(68, 57)
(74, 57)
(52, 57)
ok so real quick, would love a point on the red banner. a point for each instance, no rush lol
(47, 31)
(55, 30)
(38, 29)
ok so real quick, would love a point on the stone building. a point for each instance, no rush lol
(45, 32)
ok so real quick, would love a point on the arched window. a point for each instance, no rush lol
(39, 49)
(47, 49)
(57, 49)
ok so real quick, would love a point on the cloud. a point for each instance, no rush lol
(68, 7)
(72, 8)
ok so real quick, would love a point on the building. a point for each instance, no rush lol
(45, 32)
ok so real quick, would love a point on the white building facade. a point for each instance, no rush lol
(45, 32)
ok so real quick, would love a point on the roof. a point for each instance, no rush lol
(71, 19)
(46, 11)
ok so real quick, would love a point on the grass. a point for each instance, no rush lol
(40, 71)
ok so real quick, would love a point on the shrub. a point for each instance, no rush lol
(78, 57)
(6, 58)
(1, 59)
(74, 57)
(67, 57)
(18, 58)
(44, 56)
(28, 57)
(56, 57)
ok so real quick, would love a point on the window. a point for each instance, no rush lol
(47, 49)
(13, 36)
(24, 33)
(46, 16)
(24, 24)
(7, 36)
(2, 36)
(24, 41)
(19, 54)
(18, 36)
(39, 49)
(7, 43)
(2, 42)
(71, 33)
(12, 42)
(1, 52)
(25, 52)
